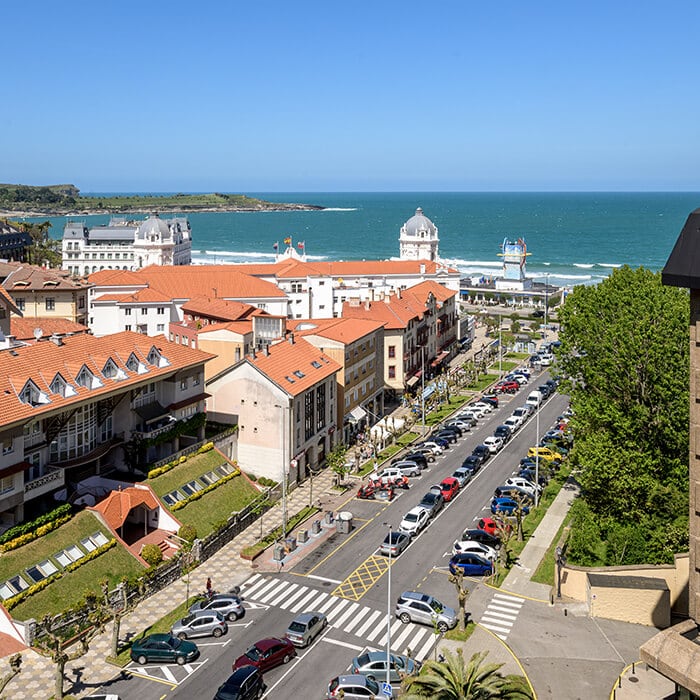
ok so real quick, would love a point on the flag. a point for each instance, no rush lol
(288, 240)
(301, 245)
(275, 245)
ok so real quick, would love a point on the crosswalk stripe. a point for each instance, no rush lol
(508, 622)
(316, 602)
(328, 604)
(425, 649)
(248, 590)
(274, 592)
(396, 643)
(287, 602)
(509, 598)
(341, 620)
(507, 603)
(503, 608)
(371, 635)
(261, 591)
(504, 616)
(495, 628)
(358, 618)
(304, 600)
(336, 610)
(368, 623)
(284, 594)
(394, 631)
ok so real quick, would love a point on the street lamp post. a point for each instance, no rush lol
(422, 390)
(546, 304)
(537, 457)
(561, 562)
(284, 470)
(388, 614)
(500, 349)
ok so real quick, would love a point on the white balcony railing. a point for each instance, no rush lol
(48, 482)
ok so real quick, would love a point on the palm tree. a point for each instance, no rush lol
(454, 679)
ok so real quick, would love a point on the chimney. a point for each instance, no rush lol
(290, 338)
(266, 350)
(367, 305)
(252, 353)
(57, 339)
(422, 268)
(398, 292)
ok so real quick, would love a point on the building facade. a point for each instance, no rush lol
(14, 244)
(418, 239)
(125, 244)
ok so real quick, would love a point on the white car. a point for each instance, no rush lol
(494, 443)
(522, 370)
(524, 484)
(487, 407)
(546, 359)
(471, 546)
(522, 414)
(414, 521)
(433, 447)
(513, 423)
(520, 378)
(398, 469)
(462, 425)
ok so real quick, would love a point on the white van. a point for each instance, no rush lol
(534, 399)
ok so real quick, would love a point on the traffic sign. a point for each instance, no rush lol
(387, 690)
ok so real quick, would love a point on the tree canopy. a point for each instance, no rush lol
(624, 352)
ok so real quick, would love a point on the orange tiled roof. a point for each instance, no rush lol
(342, 330)
(393, 314)
(116, 507)
(285, 358)
(117, 277)
(41, 362)
(218, 308)
(241, 327)
(23, 328)
(34, 277)
(9, 301)
(421, 291)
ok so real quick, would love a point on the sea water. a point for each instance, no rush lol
(572, 238)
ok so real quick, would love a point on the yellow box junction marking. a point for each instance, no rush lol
(363, 578)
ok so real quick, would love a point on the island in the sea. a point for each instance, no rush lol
(66, 200)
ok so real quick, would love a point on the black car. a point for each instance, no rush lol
(244, 683)
(473, 463)
(511, 491)
(538, 313)
(448, 435)
(445, 444)
(483, 452)
(529, 474)
(493, 400)
(482, 536)
(503, 432)
(417, 457)
(425, 452)
(552, 385)
(545, 390)
(454, 428)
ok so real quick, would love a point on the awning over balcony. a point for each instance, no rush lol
(151, 411)
(188, 402)
(15, 468)
(357, 414)
(441, 356)
(413, 381)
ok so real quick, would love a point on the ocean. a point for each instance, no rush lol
(573, 238)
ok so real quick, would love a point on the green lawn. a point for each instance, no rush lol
(546, 570)
(215, 507)
(191, 469)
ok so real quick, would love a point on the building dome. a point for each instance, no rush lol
(420, 226)
(153, 226)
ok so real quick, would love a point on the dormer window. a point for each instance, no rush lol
(135, 365)
(112, 371)
(87, 379)
(155, 358)
(299, 373)
(61, 387)
(32, 395)
(316, 364)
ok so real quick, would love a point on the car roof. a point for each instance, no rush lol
(449, 480)
(240, 674)
(352, 680)
(159, 637)
(265, 644)
(415, 595)
(306, 616)
(416, 509)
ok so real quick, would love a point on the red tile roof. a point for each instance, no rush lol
(34, 277)
(23, 328)
(393, 314)
(222, 309)
(421, 291)
(41, 362)
(285, 358)
(342, 330)
(116, 507)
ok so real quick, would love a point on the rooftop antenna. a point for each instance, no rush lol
(38, 333)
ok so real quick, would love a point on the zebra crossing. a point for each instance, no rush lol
(343, 614)
(501, 613)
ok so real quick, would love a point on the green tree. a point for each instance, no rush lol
(457, 579)
(337, 461)
(456, 679)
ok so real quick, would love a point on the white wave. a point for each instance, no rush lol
(458, 262)
(610, 264)
(584, 265)
(339, 209)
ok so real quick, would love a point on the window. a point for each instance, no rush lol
(127, 311)
(392, 351)
(183, 384)
(296, 288)
(111, 371)
(144, 309)
(195, 380)
(7, 446)
(61, 387)
(19, 303)
(320, 407)
(161, 310)
(87, 379)
(50, 304)
(31, 394)
(308, 415)
(127, 327)
(81, 300)
(392, 372)
(160, 327)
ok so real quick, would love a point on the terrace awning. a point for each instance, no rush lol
(357, 414)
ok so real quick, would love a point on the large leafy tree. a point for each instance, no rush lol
(625, 352)
(457, 679)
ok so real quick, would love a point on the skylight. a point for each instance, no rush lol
(316, 364)
(299, 373)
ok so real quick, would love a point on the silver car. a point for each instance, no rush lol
(412, 606)
(203, 623)
(373, 665)
(354, 687)
(305, 627)
(230, 606)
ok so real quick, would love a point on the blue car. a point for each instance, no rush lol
(506, 506)
(471, 564)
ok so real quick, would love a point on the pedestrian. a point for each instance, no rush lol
(209, 591)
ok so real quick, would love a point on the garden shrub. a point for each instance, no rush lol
(152, 554)
(188, 532)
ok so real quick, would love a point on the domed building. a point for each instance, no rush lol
(418, 239)
(161, 242)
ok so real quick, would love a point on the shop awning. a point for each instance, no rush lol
(441, 356)
(357, 414)
(412, 381)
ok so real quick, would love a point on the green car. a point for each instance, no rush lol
(163, 648)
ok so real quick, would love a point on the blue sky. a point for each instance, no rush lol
(363, 96)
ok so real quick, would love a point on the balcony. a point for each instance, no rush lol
(53, 479)
(151, 430)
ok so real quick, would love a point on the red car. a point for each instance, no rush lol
(507, 387)
(266, 654)
(491, 526)
(449, 488)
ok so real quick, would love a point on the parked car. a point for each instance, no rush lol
(523, 484)
(354, 687)
(544, 390)
(447, 435)
(483, 452)
(488, 525)
(433, 447)
(488, 407)
(531, 475)
(483, 550)
(515, 377)
(452, 427)
(471, 564)
(507, 506)
(521, 415)
(546, 359)
(463, 425)
(373, 664)
(417, 457)
(463, 476)
(394, 543)
(426, 452)
(400, 469)
(508, 386)
(503, 432)
(471, 417)
(545, 453)
(266, 654)
(449, 487)
(433, 503)
(163, 648)
(556, 445)
(423, 608)
(229, 605)
(534, 399)
(203, 623)
(494, 444)
(445, 444)
(481, 536)
(305, 627)
(490, 398)
(414, 521)
(473, 462)
(511, 491)
(513, 424)
(245, 683)
(538, 313)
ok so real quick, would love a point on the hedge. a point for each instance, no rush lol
(39, 532)
(24, 528)
(198, 494)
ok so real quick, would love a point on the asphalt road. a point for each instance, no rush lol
(350, 582)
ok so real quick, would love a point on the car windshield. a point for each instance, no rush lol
(363, 660)
(297, 626)
(187, 620)
(372, 686)
(253, 653)
(410, 517)
(436, 605)
(394, 537)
